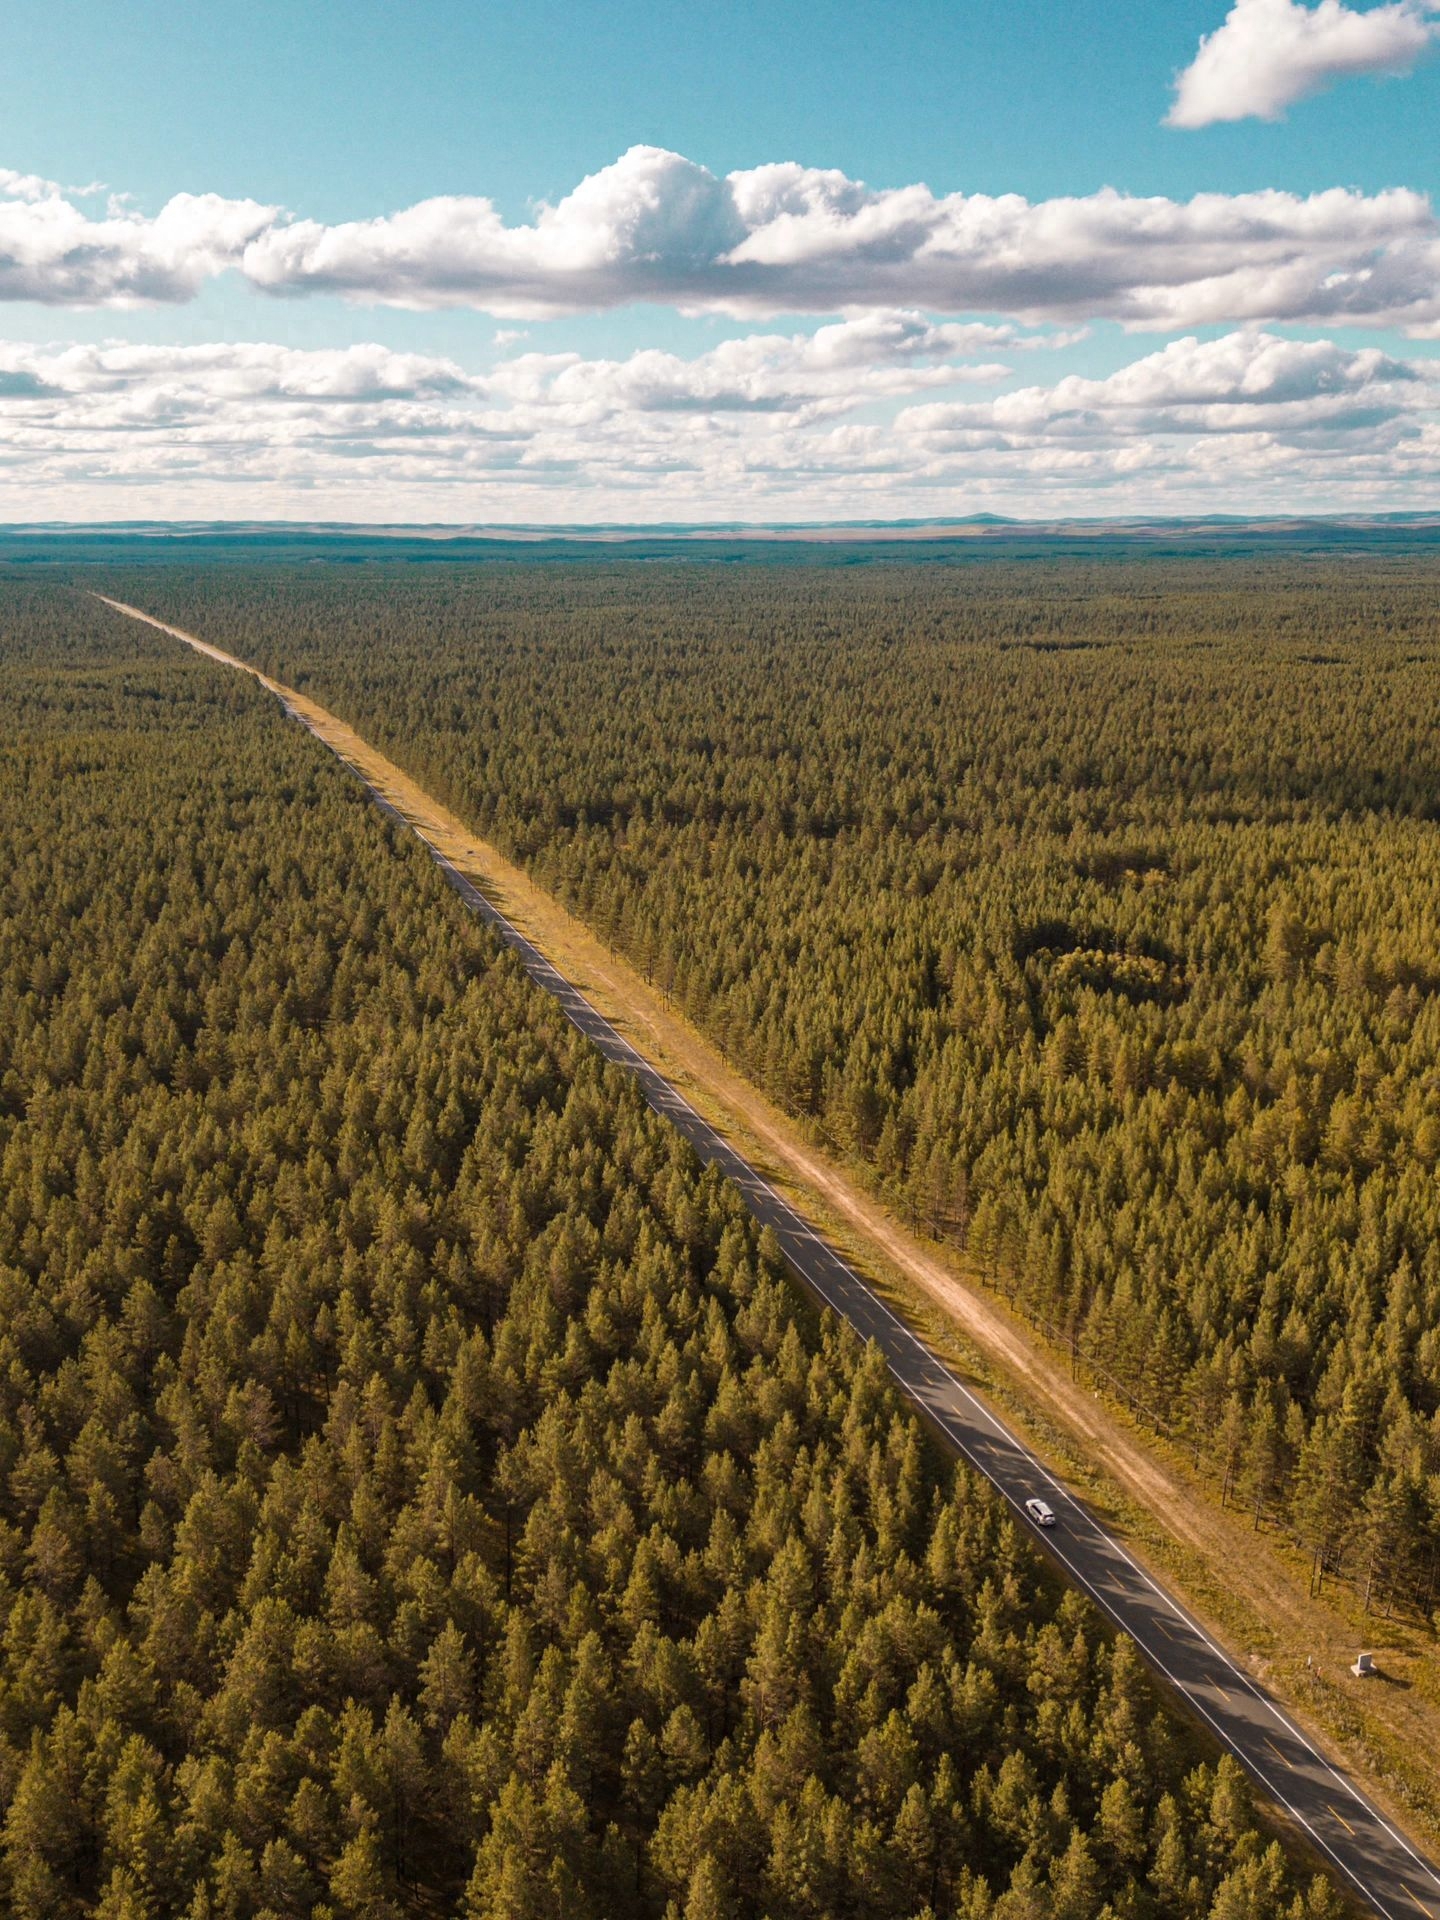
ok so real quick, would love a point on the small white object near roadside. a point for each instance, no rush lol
(1364, 1666)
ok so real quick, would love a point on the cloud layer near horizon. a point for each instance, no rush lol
(770, 240)
(795, 426)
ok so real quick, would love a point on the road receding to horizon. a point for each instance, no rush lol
(1350, 1834)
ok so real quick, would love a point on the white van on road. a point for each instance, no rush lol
(1041, 1512)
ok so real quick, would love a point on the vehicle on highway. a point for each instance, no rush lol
(1041, 1512)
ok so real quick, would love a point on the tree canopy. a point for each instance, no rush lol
(421, 1490)
(1098, 907)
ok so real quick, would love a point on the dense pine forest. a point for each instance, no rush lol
(421, 1491)
(1096, 906)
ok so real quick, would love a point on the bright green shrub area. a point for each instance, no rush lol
(1098, 907)
(421, 1493)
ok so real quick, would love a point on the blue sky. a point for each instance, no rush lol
(353, 110)
(876, 352)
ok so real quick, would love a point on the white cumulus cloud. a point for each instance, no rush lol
(52, 252)
(836, 369)
(767, 241)
(653, 222)
(1244, 382)
(792, 239)
(27, 186)
(1270, 53)
(872, 417)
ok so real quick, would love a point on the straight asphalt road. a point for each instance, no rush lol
(1355, 1840)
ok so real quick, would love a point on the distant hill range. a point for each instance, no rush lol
(966, 537)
